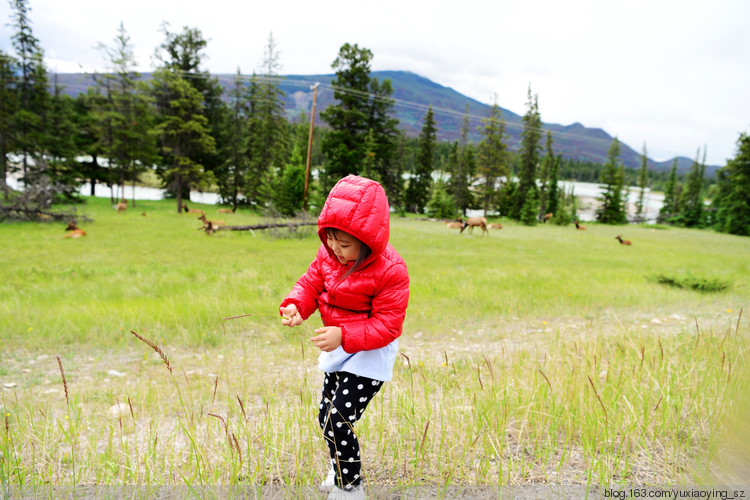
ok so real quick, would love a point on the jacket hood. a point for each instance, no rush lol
(360, 207)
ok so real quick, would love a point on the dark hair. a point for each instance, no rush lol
(364, 250)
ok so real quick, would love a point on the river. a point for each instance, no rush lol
(586, 192)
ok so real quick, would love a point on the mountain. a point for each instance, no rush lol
(413, 94)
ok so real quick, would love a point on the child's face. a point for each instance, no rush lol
(345, 246)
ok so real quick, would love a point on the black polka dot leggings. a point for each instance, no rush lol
(344, 399)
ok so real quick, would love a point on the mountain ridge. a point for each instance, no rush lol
(413, 94)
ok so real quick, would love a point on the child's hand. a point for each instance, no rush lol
(290, 315)
(329, 338)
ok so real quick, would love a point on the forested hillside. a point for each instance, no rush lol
(413, 94)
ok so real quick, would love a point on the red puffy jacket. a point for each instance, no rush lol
(370, 304)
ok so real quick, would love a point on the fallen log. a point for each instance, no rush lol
(290, 225)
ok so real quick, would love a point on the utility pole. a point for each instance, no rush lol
(314, 88)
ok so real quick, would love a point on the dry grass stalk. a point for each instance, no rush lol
(154, 347)
(545, 378)
(242, 407)
(223, 423)
(606, 418)
(64, 380)
(237, 446)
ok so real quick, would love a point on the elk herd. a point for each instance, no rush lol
(481, 222)
(210, 226)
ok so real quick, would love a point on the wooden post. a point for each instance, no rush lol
(314, 88)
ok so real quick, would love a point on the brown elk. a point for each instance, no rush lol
(546, 217)
(454, 224)
(192, 210)
(213, 223)
(122, 206)
(495, 225)
(580, 227)
(227, 210)
(75, 231)
(623, 242)
(473, 222)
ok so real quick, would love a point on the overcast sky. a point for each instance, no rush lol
(671, 74)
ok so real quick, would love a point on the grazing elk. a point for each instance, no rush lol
(212, 223)
(122, 206)
(473, 222)
(546, 217)
(75, 231)
(623, 242)
(580, 227)
(192, 210)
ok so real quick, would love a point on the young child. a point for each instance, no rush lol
(361, 287)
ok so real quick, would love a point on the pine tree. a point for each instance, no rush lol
(733, 214)
(233, 171)
(343, 145)
(529, 156)
(385, 134)
(670, 206)
(548, 165)
(493, 163)
(33, 96)
(691, 202)
(612, 209)
(462, 167)
(183, 132)
(418, 191)
(269, 146)
(8, 107)
(642, 184)
(125, 114)
(183, 53)
(553, 190)
(441, 204)
(61, 146)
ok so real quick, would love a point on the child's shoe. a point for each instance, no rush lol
(358, 493)
(329, 482)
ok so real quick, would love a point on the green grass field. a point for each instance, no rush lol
(535, 355)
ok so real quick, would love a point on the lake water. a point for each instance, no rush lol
(587, 192)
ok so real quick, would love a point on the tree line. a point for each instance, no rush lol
(196, 134)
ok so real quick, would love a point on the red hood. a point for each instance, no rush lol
(358, 206)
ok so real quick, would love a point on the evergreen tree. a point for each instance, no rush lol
(529, 156)
(492, 156)
(462, 167)
(88, 138)
(343, 146)
(642, 184)
(125, 114)
(553, 190)
(441, 204)
(268, 149)
(183, 132)
(418, 191)
(612, 209)
(548, 165)
(183, 53)
(61, 146)
(691, 202)
(231, 175)
(33, 96)
(289, 194)
(733, 215)
(670, 206)
(385, 134)
(8, 108)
